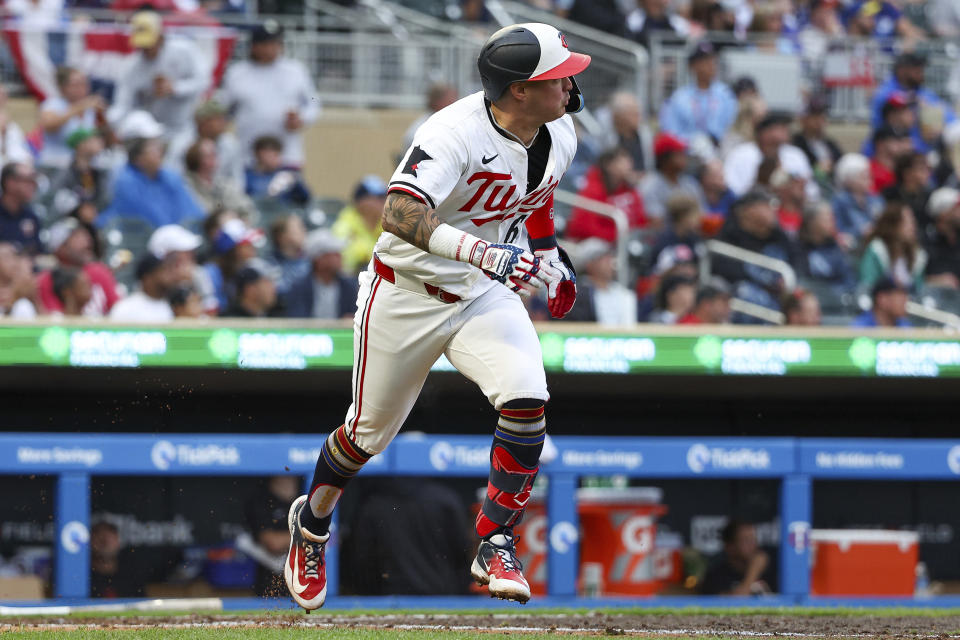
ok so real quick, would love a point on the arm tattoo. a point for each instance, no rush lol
(410, 220)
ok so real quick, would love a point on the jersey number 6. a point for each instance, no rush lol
(514, 229)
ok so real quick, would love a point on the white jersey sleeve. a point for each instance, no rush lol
(433, 165)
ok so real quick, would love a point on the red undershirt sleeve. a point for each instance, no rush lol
(540, 227)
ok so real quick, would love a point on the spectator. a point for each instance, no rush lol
(18, 222)
(751, 109)
(655, 16)
(269, 179)
(18, 290)
(177, 247)
(888, 146)
(822, 259)
(801, 308)
(71, 289)
(854, 203)
(908, 78)
(186, 302)
(609, 181)
(754, 227)
(271, 95)
(75, 108)
(823, 27)
(256, 294)
(166, 79)
(111, 574)
(892, 250)
(326, 292)
(880, 19)
(151, 302)
(741, 570)
(771, 136)
(943, 270)
(712, 305)
(944, 18)
(288, 235)
(234, 245)
(912, 188)
(706, 107)
(439, 95)
(684, 215)
(143, 188)
(212, 122)
(675, 299)
(899, 113)
(715, 197)
(82, 183)
(601, 298)
(668, 178)
(358, 224)
(72, 246)
(707, 15)
(889, 306)
(605, 15)
(623, 120)
(790, 191)
(822, 151)
(266, 516)
(13, 144)
(210, 189)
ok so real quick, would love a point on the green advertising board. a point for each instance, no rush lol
(632, 352)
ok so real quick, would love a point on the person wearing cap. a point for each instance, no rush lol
(889, 145)
(144, 188)
(821, 150)
(19, 223)
(209, 188)
(706, 106)
(889, 308)
(166, 79)
(358, 224)
(943, 269)
(610, 180)
(72, 245)
(668, 179)
(212, 123)
(234, 245)
(255, 293)
(270, 95)
(326, 292)
(60, 115)
(711, 306)
(771, 140)
(892, 249)
(879, 19)
(600, 297)
(908, 79)
(150, 302)
(821, 258)
(177, 247)
(84, 182)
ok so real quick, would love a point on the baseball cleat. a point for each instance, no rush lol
(497, 566)
(304, 570)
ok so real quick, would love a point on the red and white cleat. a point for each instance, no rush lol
(305, 571)
(497, 566)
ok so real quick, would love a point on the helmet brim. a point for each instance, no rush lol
(573, 65)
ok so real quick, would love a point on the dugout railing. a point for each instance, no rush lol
(796, 463)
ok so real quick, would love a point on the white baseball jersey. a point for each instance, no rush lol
(474, 174)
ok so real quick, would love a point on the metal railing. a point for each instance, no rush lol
(944, 318)
(734, 252)
(608, 211)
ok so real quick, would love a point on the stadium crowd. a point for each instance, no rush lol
(174, 201)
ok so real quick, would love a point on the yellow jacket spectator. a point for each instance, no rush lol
(358, 224)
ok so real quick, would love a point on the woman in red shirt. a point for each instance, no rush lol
(611, 180)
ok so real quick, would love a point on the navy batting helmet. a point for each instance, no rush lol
(529, 51)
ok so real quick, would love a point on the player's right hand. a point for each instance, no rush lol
(518, 269)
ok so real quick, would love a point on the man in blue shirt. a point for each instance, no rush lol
(889, 306)
(707, 106)
(907, 79)
(19, 225)
(145, 190)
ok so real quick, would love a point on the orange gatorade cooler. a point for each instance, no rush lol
(863, 562)
(621, 525)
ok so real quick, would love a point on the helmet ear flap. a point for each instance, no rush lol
(575, 105)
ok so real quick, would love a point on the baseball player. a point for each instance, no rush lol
(468, 229)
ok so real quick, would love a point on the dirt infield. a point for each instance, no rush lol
(865, 625)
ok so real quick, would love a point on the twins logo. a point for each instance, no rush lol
(698, 457)
(74, 536)
(500, 189)
(163, 454)
(953, 459)
(563, 40)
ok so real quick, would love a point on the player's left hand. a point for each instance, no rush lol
(562, 291)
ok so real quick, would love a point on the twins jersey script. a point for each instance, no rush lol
(477, 177)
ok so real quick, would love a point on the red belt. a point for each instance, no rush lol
(388, 274)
